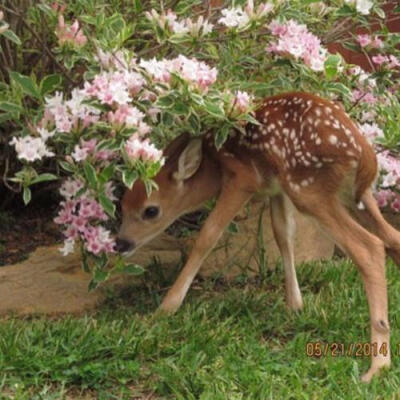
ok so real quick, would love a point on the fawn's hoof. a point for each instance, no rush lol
(375, 370)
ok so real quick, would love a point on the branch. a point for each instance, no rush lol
(44, 45)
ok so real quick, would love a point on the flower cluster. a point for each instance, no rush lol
(369, 42)
(371, 131)
(389, 62)
(72, 34)
(31, 148)
(79, 214)
(170, 22)
(296, 41)
(391, 166)
(237, 17)
(241, 102)
(388, 194)
(388, 198)
(68, 115)
(143, 150)
(195, 72)
(366, 85)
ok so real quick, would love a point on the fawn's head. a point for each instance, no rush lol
(188, 178)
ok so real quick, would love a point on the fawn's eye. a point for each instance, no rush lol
(150, 212)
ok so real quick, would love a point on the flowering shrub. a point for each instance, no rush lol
(121, 87)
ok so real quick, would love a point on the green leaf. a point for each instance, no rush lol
(107, 173)
(133, 269)
(331, 65)
(165, 101)
(10, 107)
(339, 88)
(221, 136)
(380, 12)
(214, 109)
(10, 35)
(129, 177)
(100, 275)
(108, 205)
(44, 178)
(27, 195)
(67, 166)
(90, 174)
(180, 108)
(27, 84)
(85, 264)
(194, 122)
(5, 117)
(93, 284)
(50, 83)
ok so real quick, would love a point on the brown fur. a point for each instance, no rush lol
(307, 152)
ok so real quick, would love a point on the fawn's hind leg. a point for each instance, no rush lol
(368, 253)
(372, 219)
(284, 226)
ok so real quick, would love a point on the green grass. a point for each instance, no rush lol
(227, 342)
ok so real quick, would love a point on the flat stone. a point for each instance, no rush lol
(49, 283)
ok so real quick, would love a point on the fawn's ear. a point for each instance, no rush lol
(189, 161)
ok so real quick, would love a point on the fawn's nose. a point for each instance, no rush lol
(123, 245)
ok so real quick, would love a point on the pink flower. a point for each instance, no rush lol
(70, 188)
(98, 239)
(364, 40)
(242, 101)
(363, 96)
(82, 151)
(390, 166)
(379, 59)
(296, 41)
(138, 149)
(395, 205)
(394, 62)
(70, 34)
(376, 43)
(383, 197)
(371, 131)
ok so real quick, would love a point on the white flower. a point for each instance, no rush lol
(234, 17)
(134, 117)
(30, 148)
(158, 69)
(70, 188)
(80, 153)
(207, 28)
(120, 93)
(179, 28)
(68, 247)
(55, 101)
(364, 6)
(371, 131)
(45, 134)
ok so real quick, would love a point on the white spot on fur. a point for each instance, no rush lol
(333, 139)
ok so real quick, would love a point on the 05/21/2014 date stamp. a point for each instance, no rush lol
(321, 349)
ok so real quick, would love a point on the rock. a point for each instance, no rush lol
(49, 283)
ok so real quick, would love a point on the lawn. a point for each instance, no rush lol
(228, 341)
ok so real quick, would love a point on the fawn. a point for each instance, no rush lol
(306, 152)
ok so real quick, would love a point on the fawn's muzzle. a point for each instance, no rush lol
(123, 245)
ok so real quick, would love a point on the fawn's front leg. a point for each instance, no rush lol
(230, 201)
